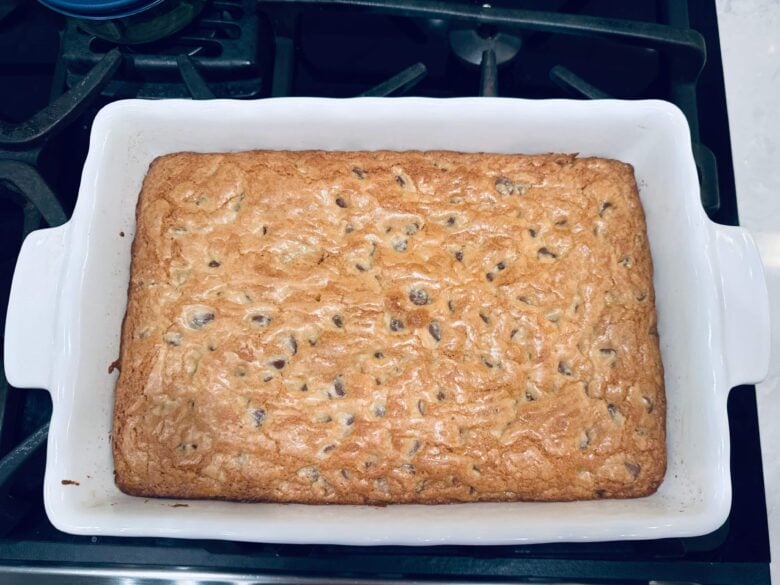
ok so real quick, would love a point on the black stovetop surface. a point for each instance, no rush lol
(340, 51)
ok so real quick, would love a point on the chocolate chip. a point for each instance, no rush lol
(214, 264)
(338, 387)
(341, 203)
(459, 255)
(265, 230)
(173, 338)
(484, 318)
(349, 229)
(304, 388)
(201, 319)
(337, 321)
(262, 320)
(544, 252)
(378, 355)
(359, 173)
(504, 186)
(396, 325)
(501, 266)
(278, 364)
(418, 296)
(529, 396)
(400, 246)
(328, 448)
(532, 232)
(435, 330)
(561, 222)
(309, 473)
(440, 395)
(258, 415)
(451, 220)
(451, 306)
(633, 469)
(349, 421)
(490, 276)
(411, 228)
(604, 206)
(564, 368)
(360, 267)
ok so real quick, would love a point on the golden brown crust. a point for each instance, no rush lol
(385, 327)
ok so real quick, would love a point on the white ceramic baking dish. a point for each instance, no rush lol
(70, 287)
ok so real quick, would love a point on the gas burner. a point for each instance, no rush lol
(488, 48)
(219, 55)
(470, 44)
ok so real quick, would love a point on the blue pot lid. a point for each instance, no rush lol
(99, 9)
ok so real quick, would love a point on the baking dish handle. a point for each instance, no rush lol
(744, 303)
(32, 307)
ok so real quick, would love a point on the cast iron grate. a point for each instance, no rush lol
(488, 35)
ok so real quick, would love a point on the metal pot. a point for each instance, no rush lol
(129, 22)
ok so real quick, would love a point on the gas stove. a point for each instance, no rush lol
(57, 76)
